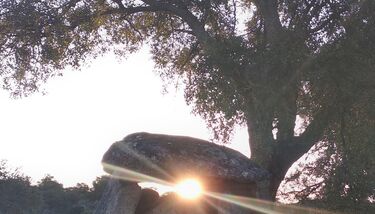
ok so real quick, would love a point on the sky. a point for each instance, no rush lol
(66, 132)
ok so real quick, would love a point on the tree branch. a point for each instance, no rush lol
(321, 25)
(156, 6)
(183, 31)
(269, 12)
(129, 10)
(313, 133)
(67, 6)
(315, 130)
(285, 154)
(120, 4)
(306, 191)
(196, 26)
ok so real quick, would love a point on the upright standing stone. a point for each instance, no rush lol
(120, 197)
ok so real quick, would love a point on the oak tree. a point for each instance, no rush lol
(313, 59)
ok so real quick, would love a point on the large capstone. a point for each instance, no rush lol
(144, 157)
(170, 157)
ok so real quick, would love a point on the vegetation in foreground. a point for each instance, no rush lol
(19, 196)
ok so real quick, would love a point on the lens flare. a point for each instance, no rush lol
(131, 175)
(263, 206)
(189, 189)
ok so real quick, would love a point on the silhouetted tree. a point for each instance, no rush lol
(53, 194)
(17, 196)
(312, 59)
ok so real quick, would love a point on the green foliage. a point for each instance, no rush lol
(39, 38)
(342, 178)
(18, 196)
(343, 78)
(54, 196)
(351, 183)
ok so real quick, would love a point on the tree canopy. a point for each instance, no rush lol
(313, 59)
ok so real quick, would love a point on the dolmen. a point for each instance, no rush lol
(166, 159)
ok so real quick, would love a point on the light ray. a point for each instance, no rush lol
(212, 204)
(131, 175)
(146, 161)
(264, 206)
(258, 205)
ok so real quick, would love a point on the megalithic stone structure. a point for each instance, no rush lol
(119, 197)
(170, 158)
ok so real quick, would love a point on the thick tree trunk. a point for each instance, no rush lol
(259, 126)
(261, 142)
(271, 155)
(277, 159)
(263, 154)
(276, 155)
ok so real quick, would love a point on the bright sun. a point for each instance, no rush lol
(189, 189)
